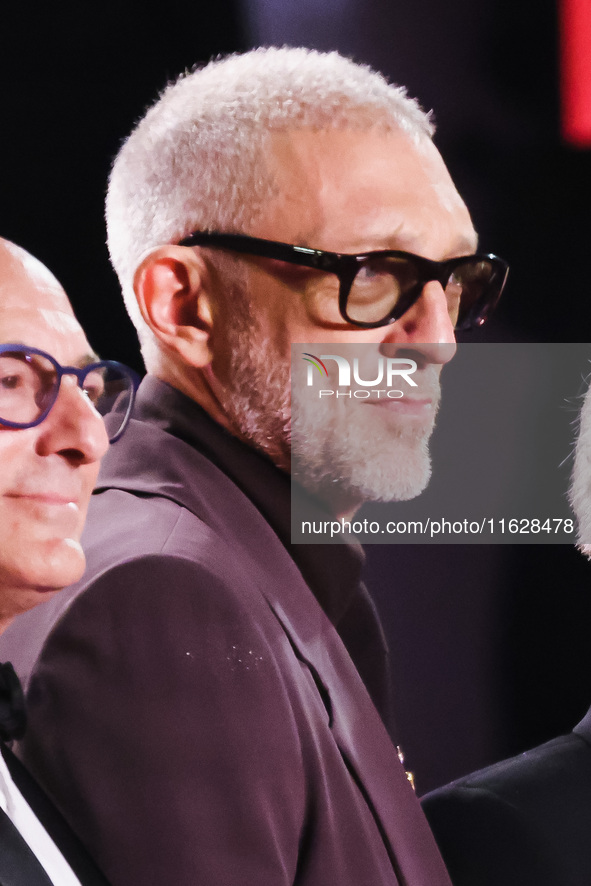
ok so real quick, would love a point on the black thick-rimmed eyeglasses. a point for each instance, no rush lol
(30, 381)
(377, 288)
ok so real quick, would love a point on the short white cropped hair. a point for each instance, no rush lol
(580, 491)
(196, 160)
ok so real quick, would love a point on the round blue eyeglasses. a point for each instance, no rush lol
(30, 381)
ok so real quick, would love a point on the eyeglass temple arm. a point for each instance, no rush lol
(295, 255)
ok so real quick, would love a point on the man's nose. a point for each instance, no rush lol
(73, 428)
(426, 327)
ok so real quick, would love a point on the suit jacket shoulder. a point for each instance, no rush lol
(521, 822)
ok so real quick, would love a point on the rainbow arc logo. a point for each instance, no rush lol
(317, 362)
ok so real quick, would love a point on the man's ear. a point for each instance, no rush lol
(171, 286)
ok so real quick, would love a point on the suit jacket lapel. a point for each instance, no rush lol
(55, 825)
(369, 753)
(18, 864)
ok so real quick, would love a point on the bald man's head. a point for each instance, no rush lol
(27, 287)
(48, 470)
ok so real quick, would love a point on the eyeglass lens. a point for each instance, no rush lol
(386, 286)
(111, 391)
(29, 386)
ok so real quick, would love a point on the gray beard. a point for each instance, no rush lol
(348, 453)
(338, 459)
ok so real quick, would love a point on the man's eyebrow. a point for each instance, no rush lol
(87, 359)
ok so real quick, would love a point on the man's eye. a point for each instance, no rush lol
(368, 273)
(94, 387)
(92, 392)
(11, 382)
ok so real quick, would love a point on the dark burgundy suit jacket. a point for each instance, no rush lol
(523, 822)
(192, 709)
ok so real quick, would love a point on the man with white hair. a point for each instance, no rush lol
(194, 706)
(525, 821)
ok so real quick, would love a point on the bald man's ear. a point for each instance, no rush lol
(171, 286)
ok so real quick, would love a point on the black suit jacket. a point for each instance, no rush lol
(192, 709)
(18, 864)
(523, 822)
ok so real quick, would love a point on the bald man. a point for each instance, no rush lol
(53, 389)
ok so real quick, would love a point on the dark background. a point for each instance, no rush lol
(490, 645)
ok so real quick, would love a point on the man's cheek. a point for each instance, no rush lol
(88, 486)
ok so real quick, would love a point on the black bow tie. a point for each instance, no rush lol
(13, 718)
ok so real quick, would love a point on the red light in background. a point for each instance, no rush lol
(575, 71)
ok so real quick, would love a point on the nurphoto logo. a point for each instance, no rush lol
(388, 371)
